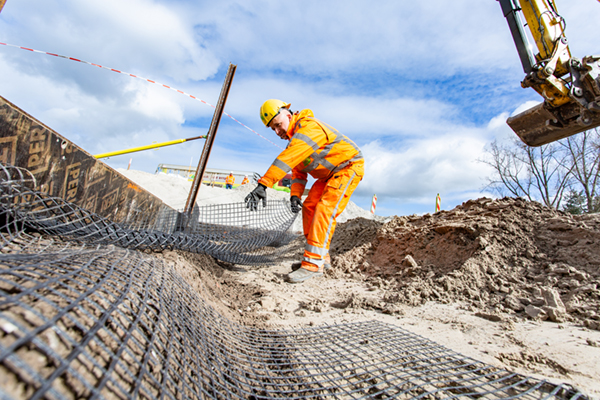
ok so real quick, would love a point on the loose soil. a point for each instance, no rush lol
(508, 282)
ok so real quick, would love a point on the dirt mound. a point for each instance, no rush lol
(507, 256)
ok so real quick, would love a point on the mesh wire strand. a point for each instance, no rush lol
(98, 320)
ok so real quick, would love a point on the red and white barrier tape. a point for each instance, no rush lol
(139, 77)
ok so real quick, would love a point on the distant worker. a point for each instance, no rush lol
(317, 149)
(246, 180)
(229, 181)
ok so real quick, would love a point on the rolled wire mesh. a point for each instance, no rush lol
(228, 232)
(100, 321)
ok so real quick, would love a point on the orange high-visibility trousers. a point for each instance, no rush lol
(325, 202)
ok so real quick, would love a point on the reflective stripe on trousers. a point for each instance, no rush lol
(325, 202)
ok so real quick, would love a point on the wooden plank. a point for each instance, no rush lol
(63, 169)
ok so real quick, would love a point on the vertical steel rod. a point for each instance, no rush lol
(210, 139)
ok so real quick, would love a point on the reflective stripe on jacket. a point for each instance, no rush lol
(315, 148)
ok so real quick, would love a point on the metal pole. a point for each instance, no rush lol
(148, 147)
(214, 126)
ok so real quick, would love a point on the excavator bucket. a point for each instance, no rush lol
(538, 125)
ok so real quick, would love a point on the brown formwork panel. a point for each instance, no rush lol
(65, 170)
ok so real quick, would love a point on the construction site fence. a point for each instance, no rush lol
(88, 319)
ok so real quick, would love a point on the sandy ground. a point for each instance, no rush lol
(559, 353)
(505, 282)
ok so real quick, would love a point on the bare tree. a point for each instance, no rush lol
(583, 155)
(532, 172)
(548, 171)
(509, 171)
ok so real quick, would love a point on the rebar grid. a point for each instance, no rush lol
(107, 322)
(228, 232)
(101, 321)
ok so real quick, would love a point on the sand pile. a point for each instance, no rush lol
(505, 258)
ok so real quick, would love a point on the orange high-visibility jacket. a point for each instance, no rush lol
(230, 180)
(315, 148)
(246, 180)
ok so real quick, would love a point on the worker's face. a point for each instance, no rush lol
(281, 123)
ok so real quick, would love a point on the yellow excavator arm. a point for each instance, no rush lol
(569, 86)
(2, 4)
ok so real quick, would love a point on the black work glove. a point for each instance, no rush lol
(252, 200)
(296, 204)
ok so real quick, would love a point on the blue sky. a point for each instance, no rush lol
(421, 87)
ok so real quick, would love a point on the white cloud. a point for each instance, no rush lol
(411, 171)
(152, 102)
(525, 106)
(498, 121)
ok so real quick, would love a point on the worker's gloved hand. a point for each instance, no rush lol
(252, 200)
(296, 204)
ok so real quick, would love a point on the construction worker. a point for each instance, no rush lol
(229, 181)
(246, 180)
(317, 149)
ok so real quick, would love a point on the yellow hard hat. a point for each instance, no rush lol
(270, 109)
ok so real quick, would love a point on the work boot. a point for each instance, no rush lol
(302, 274)
(326, 264)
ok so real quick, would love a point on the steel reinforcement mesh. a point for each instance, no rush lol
(100, 321)
(107, 322)
(228, 232)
